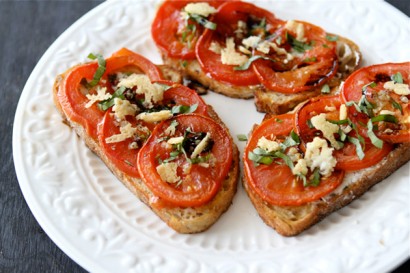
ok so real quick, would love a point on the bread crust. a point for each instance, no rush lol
(291, 221)
(182, 220)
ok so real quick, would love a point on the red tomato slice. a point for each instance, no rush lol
(313, 66)
(71, 93)
(227, 19)
(381, 98)
(347, 158)
(121, 153)
(199, 184)
(275, 183)
(172, 34)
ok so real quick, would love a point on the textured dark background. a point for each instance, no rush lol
(27, 29)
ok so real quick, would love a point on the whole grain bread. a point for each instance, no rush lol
(182, 220)
(292, 220)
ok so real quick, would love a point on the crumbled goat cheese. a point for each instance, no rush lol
(251, 41)
(202, 9)
(398, 88)
(319, 155)
(343, 112)
(386, 112)
(100, 96)
(298, 28)
(215, 47)
(268, 145)
(175, 140)
(153, 92)
(168, 172)
(123, 108)
(328, 129)
(300, 168)
(126, 131)
(201, 146)
(229, 55)
(155, 116)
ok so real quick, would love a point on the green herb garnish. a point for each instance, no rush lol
(100, 70)
(325, 89)
(387, 118)
(242, 137)
(105, 104)
(332, 38)
(246, 65)
(359, 149)
(397, 78)
(184, 109)
(202, 21)
(373, 138)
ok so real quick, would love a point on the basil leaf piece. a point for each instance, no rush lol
(202, 21)
(387, 118)
(364, 88)
(316, 178)
(373, 138)
(396, 105)
(297, 45)
(356, 142)
(338, 122)
(325, 89)
(105, 104)
(242, 137)
(397, 78)
(292, 140)
(285, 158)
(184, 109)
(246, 65)
(100, 70)
(332, 38)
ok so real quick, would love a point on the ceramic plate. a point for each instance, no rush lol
(104, 228)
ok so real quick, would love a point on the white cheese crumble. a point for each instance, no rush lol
(268, 145)
(153, 92)
(398, 88)
(297, 28)
(386, 112)
(175, 140)
(126, 131)
(229, 55)
(215, 47)
(251, 41)
(343, 112)
(201, 146)
(155, 116)
(202, 9)
(300, 168)
(319, 155)
(168, 172)
(100, 96)
(123, 108)
(328, 129)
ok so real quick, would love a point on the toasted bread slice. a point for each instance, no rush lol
(182, 220)
(270, 101)
(292, 220)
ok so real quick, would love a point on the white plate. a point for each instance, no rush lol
(104, 228)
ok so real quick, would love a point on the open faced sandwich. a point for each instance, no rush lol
(157, 136)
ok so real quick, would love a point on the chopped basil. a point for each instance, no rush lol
(339, 122)
(364, 88)
(246, 65)
(387, 118)
(242, 137)
(202, 21)
(297, 45)
(292, 140)
(373, 138)
(100, 70)
(105, 104)
(325, 89)
(279, 120)
(184, 109)
(359, 149)
(316, 178)
(363, 106)
(396, 105)
(309, 124)
(397, 78)
(310, 60)
(332, 38)
(285, 158)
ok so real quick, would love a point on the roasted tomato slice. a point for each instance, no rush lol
(218, 50)
(346, 154)
(175, 35)
(380, 93)
(185, 166)
(300, 57)
(275, 183)
(72, 90)
(123, 152)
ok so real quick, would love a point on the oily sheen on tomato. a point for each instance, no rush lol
(227, 18)
(198, 183)
(172, 34)
(275, 183)
(72, 91)
(347, 158)
(314, 64)
(369, 81)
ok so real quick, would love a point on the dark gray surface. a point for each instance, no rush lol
(27, 29)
